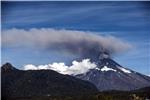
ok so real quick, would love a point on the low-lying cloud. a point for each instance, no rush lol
(82, 43)
(76, 68)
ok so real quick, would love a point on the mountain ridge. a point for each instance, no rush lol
(41, 83)
(109, 75)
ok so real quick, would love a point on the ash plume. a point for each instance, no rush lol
(82, 43)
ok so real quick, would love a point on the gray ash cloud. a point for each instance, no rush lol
(84, 44)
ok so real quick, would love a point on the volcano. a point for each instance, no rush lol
(109, 75)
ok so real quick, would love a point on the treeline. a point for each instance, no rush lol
(98, 96)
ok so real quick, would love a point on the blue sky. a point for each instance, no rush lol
(129, 21)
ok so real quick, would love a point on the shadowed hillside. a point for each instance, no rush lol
(50, 85)
(36, 83)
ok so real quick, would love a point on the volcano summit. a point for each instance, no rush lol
(109, 75)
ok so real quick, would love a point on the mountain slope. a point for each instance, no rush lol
(19, 83)
(108, 75)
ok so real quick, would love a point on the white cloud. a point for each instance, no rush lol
(76, 68)
(31, 67)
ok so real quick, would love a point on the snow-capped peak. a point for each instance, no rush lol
(124, 70)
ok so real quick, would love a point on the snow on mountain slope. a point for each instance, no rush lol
(109, 75)
(124, 70)
(105, 68)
